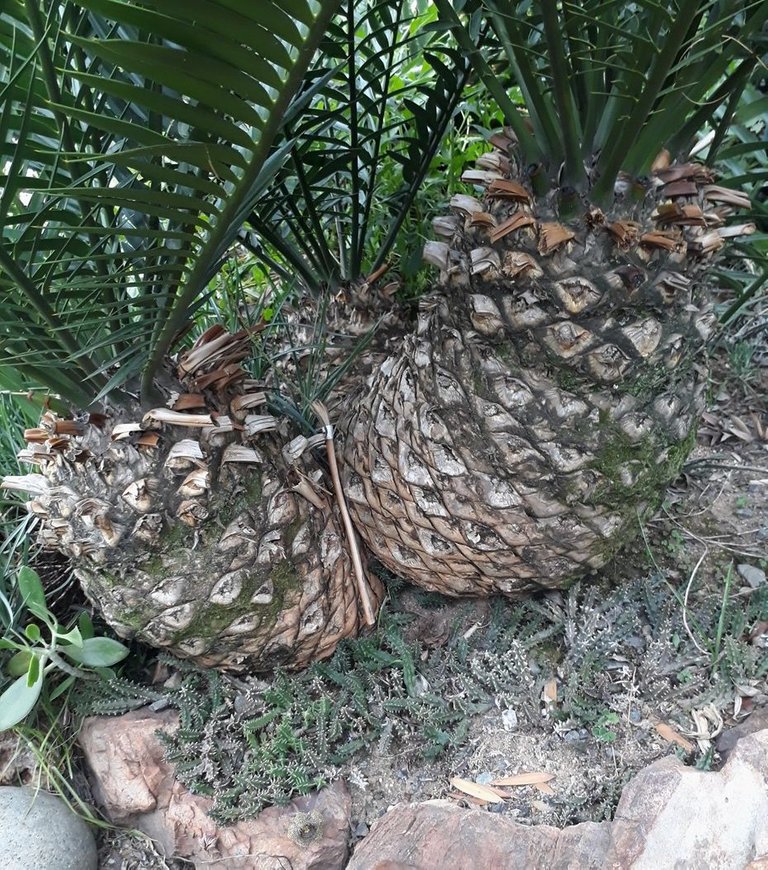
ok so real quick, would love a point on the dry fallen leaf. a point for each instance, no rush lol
(474, 789)
(544, 787)
(759, 634)
(669, 734)
(458, 796)
(737, 426)
(523, 779)
(549, 694)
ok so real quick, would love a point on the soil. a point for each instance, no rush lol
(714, 516)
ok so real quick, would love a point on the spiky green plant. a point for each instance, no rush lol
(136, 138)
(385, 88)
(554, 383)
(332, 213)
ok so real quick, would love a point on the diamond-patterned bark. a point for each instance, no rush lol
(551, 391)
(202, 533)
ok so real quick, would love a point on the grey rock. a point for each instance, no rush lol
(509, 719)
(754, 576)
(38, 831)
(577, 735)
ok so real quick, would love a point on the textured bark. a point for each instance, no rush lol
(549, 395)
(215, 540)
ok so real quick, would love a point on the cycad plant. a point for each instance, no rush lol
(554, 383)
(384, 89)
(136, 139)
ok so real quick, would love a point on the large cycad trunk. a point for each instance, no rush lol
(202, 528)
(553, 388)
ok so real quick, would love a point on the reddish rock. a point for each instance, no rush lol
(137, 788)
(439, 834)
(701, 819)
(669, 816)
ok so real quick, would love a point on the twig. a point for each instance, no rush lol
(718, 464)
(685, 603)
(354, 549)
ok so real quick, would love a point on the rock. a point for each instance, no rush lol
(137, 788)
(38, 830)
(756, 721)
(509, 719)
(669, 815)
(438, 834)
(713, 820)
(17, 763)
(754, 576)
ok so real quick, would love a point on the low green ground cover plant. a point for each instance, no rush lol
(252, 743)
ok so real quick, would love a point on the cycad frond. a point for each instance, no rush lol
(387, 88)
(136, 138)
(606, 85)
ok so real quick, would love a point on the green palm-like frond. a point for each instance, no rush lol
(136, 138)
(386, 89)
(605, 84)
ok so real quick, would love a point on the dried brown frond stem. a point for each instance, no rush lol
(354, 548)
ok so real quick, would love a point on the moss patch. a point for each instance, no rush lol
(618, 453)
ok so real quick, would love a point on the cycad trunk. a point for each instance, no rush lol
(552, 391)
(196, 529)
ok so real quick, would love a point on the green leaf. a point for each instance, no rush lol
(98, 652)
(34, 669)
(383, 94)
(32, 592)
(62, 687)
(607, 84)
(139, 136)
(85, 624)
(72, 636)
(18, 700)
(19, 663)
(32, 631)
(6, 643)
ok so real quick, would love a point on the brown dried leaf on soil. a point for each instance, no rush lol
(474, 789)
(533, 778)
(672, 736)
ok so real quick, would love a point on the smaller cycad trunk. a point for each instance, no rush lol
(552, 389)
(199, 527)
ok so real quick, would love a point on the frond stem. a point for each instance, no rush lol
(612, 158)
(528, 146)
(356, 253)
(562, 75)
